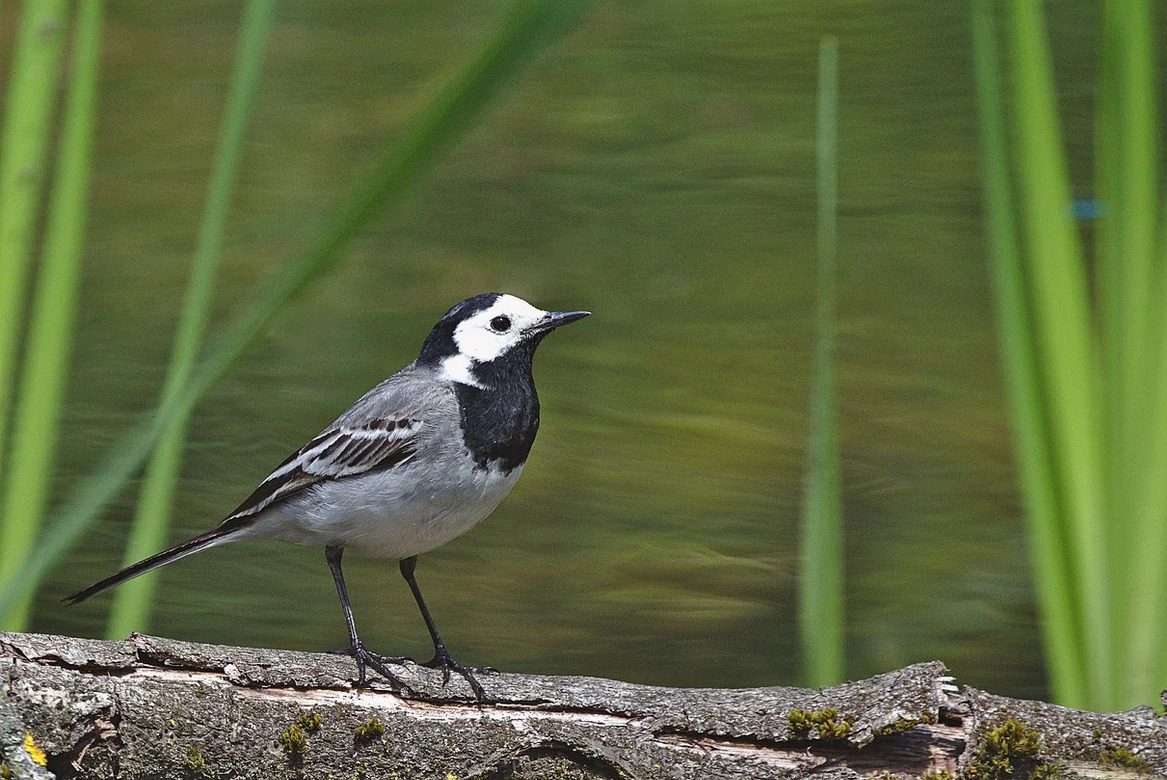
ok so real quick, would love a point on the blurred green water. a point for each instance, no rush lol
(656, 168)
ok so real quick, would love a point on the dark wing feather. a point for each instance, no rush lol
(343, 451)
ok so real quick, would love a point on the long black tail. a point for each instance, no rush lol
(201, 542)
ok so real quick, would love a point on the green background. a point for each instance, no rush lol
(655, 166)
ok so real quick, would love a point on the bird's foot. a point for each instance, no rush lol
(443, 661)
(366, 659)
(399, 660)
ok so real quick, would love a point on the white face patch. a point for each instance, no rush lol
(494, 330)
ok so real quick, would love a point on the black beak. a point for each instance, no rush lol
(554, 319)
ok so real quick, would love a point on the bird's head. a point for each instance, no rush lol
(487, 330)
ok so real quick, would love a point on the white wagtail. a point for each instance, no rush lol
(418, 460)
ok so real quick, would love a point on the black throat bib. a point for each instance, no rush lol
(500, 419)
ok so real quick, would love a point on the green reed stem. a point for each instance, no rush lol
(1087, 377)
(32, 93)
(1130, 265)
(132, 602)
(50, 337)
(1061, 629)
(821, 593)
(1064, 335)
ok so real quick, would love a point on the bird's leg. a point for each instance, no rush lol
(363, 657)
(441, 659)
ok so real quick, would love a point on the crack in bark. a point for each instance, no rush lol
(13, 651)
(922, 747)
(100, 729)
(10, 650)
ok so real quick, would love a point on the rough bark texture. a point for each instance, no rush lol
(155, 708)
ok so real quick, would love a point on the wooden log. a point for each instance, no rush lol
(158, 708)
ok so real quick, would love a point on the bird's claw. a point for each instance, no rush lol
(367, 659)
(443, 661)
(385, 659)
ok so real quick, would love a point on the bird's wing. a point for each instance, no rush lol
(342, 450)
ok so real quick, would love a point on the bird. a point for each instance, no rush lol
(418, 460)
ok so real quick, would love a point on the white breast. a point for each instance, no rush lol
(403, 511)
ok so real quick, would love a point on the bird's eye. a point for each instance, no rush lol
(500, 324)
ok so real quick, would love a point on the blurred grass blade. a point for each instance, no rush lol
(1061, 629)
(1127, 172)
(1130, 262)
(1149, 562)
(1063, 334)
(132, 601)
(1149, 559)
(46, 363)
(821, 593)
(529, 25)
(32, 96)
(1134, 137)
(1087, 378)
(1116, 319)
(1126, 182)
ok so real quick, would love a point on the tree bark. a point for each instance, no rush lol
(150, 707)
